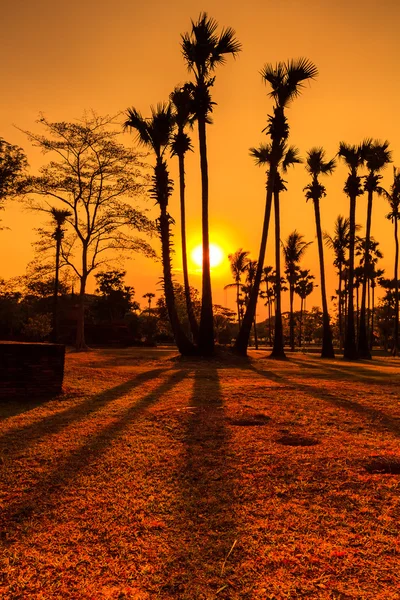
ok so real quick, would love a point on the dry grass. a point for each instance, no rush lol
(154, 478)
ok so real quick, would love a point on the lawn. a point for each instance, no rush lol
(153, 477)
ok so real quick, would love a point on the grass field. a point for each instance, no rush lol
(153, 477)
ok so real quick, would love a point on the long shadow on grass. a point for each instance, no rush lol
(379, 420)
(22, 437)
(361, 370)
(42, 495)
(207, 523)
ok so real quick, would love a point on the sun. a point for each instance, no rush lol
(216, 255)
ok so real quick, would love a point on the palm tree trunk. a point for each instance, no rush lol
(395, 351)
(340, 307)
(238, 301)
(242, 340)
(363, 346)
(291, 315)
(278, 348)
(350, 349)
(206, 331)
(301, 322)
(327, 345)
(56, 285)
(372, 319)
(185, 346)
(189, 305)
(255, 334)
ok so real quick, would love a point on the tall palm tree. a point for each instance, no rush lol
(60, 217)
(377, 155)
(394, 215)
(293, 251)
(203, 50)
(316, 165)
(182, 103)
(155, 133)
(287, 81)
(353, 158)
(238, 263)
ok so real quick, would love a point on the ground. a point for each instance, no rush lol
(154, 477)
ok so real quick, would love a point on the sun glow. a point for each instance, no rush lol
(216, 256)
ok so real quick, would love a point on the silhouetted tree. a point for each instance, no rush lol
(303, 288)
(92, 178)
(13, 164)
(339, 243)
(377, 155)
(394, 215)
(182, 102)
(316, 165)
(149, 297)
(60, 218)
(156, 133)
(293, 251)
(238, 263)
(203, 50)
(286, 80)
(353, 158)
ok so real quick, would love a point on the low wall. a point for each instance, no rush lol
(31, 370)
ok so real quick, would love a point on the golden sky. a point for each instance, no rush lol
(62, 58)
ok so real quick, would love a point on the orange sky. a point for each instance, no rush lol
(66, 57)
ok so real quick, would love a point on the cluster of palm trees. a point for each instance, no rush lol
(165, 132)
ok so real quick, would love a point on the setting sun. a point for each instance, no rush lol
(216, 255)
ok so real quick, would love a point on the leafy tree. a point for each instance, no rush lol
(317, 165)
(203, 50)
(13, 165)
(149, 297)
(182, 102)
(353, 158)
(92, 176)
(377, 155)
(116, 298)
(286, 80)
(155, 133)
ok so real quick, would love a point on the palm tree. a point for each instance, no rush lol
(339, 243)
(269, 277)
(155, 133)
(353, 158)
(317, 165)
(293, 251)
(149, 297)
(203, 50)
(60, 217)
(286, 80)
(238, 263)
(251, 269)
(394, 215)
(182, 103)
(377, 155)
(304, 287)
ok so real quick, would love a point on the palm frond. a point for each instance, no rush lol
(135, 121)
(262, 154)
(291, 157)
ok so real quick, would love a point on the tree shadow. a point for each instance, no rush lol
(17, 406)
(361, 369)
(207, 522)
(43, 495)
(22, 437)
(378, 419)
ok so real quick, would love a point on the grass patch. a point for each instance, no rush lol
(153, 478)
